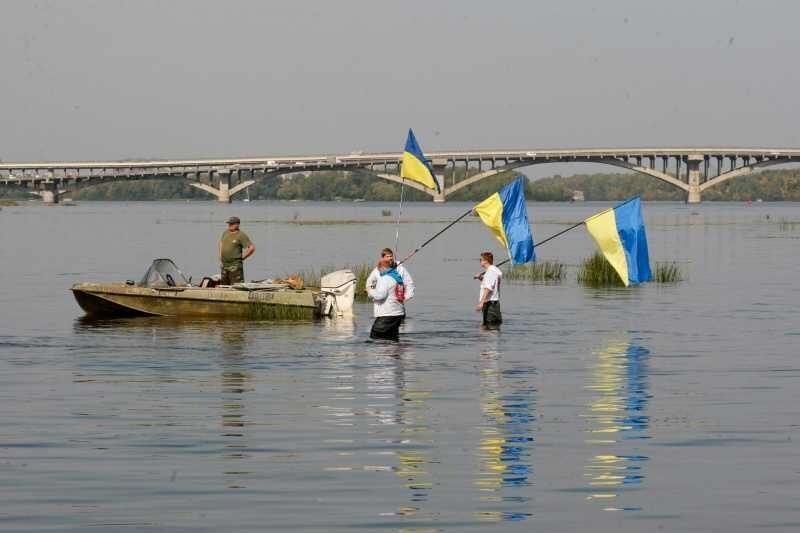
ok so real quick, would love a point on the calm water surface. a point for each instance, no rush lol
(653, 408)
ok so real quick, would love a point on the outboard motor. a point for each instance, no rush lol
(339, 289)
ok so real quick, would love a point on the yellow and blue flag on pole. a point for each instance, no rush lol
(620, 235)
(505, 214)
(414, 165)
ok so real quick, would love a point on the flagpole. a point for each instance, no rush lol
(399, 215)
(551, 237)
(581, 223)
(424, 244)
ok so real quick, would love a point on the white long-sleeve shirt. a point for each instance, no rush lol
(383, 296)
(408, 281)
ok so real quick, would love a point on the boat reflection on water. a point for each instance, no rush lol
(181, 338)
(504, 453)
(617, 422)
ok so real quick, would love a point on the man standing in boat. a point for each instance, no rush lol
(386, 262)
(234, 247)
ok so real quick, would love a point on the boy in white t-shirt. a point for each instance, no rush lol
(489, 302)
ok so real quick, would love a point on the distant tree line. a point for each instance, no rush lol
(772, 185)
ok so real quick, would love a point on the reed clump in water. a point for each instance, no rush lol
(281, 312)
(668, 272)
(361, 271)
(386, 212)
(787, 225)
(595, 271)
(311, 277)
(543, 271)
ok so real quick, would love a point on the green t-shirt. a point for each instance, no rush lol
(232, 246)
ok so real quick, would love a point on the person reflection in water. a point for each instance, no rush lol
(508, 403)
(235, 379)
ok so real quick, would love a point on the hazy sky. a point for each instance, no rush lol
(112, 79)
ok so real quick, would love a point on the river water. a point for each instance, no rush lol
(660, 407)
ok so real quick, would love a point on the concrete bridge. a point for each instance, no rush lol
(692, 170)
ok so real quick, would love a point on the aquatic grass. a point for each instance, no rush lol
(386, 212)
(668, 272)
(281, 312)
(361, 271)
(595, 271)
(542, 271)
(788, 225)
(311, 277)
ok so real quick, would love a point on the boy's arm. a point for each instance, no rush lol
(408, 283)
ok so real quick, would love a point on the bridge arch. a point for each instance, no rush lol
(222, 188)
(394, 178)
(663, 176)
(743, 171)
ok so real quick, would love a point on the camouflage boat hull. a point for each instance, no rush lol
(121, 300)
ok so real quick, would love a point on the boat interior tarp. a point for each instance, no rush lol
(164, 273)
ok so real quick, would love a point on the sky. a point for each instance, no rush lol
(91, 80)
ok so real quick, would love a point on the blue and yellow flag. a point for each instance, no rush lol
(505, 214)
(620, 235)
(414, 165)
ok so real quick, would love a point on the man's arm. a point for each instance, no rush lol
(484, 297)
(219, 250)
(488, 284)
(248, 251)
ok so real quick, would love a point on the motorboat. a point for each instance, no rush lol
(166, 291)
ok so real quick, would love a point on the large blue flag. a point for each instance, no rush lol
(621, 236)
(505, 214)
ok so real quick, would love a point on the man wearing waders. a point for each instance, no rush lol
(388, 297)
(489, 302)
(387, 261)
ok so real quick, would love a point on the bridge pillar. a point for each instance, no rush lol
(439, 197)
(693, 163)
(223, 191)
(49, 193)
